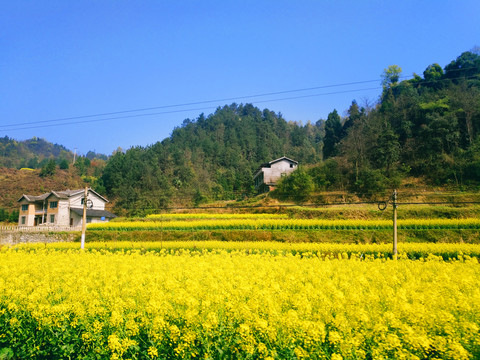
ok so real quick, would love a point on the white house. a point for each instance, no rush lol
(267, 175)
(62, 208)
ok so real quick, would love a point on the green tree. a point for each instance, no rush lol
(387, 149)
(3, 214)
(370, 183)
(64, 164)
(325, 175)
(390, 76)
(333, 133)
(48, 169)
(298, 186)
(13, 217)
(433, 73)
(467, 65)
(82, 164)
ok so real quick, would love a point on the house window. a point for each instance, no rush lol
(89, 220)
(53, 204)
(25, 207)
(291, 166)
(23, 220)
(83, 200)
(52, 218)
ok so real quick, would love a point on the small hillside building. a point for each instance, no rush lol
(62, 208)
(268, 174)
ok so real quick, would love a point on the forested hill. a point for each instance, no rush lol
(213, 156)
(32, 153)
(426, 127)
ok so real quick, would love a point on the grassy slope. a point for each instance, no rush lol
(14, 183)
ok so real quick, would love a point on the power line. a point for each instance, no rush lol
(169, 112)
(195, 103)
(16, 127)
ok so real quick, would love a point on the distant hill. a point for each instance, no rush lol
(35, 152)
(32, 153)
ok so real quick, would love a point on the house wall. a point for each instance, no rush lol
(63, 213)
(98, 203)
(29, 214)
(259, 179)
(60, 212)
(77, 219)
(76, 202)
(97, 220)
(274, 173)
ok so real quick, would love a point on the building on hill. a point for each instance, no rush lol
(268, 174)
(62, 208)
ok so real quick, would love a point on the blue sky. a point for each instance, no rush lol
(67, 59)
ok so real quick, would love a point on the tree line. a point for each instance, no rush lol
(9, 216)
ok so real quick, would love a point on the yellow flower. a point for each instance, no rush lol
(152, 352)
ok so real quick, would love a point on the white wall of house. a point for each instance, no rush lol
(76, 219)
(97, 220)
(98, 203)
(277, 170)
(281, 168)
(63, 215)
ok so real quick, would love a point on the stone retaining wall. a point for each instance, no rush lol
(19, 237)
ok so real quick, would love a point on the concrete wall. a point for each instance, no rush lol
(63, 212)
(19, 237)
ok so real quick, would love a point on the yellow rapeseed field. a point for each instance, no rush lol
(170, 216)
(447, 251)
(261, 223)
(132, 304)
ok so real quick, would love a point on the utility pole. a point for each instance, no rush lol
(84, 222)
(44, 211)
(382, 206)
(74, 156)
(394, 204)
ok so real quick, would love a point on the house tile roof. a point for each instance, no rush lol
(64, 194)
(93, 213)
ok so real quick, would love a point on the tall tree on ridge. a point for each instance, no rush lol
(333, 134)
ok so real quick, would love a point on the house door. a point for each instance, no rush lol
(71, 221)
(35, 222)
